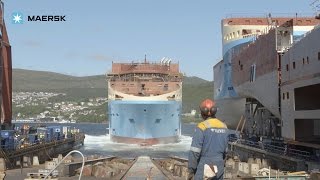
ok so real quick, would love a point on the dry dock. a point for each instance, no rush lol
(145, 167)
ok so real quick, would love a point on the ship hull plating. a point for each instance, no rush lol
(144, 122)
(230, 110)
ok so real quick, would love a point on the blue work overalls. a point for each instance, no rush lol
(209, 145)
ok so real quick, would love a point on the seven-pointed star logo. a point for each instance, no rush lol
(17, 18)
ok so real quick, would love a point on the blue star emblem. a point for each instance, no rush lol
(17, 18)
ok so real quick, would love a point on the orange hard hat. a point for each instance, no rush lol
(207, 108)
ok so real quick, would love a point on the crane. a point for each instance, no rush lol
(315, 5)
(5, 73)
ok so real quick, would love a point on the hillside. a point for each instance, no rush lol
(194, 89)
(75, 87)
(193, 80)
(40, 80)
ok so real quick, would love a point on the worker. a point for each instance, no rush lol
(209, 143)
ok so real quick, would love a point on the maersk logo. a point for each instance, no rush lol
(47, 18)
(18, 18)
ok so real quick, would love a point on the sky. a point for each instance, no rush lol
(98, 32)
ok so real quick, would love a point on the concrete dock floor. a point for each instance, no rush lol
(144, 169)
(15, 174)
(18, 174)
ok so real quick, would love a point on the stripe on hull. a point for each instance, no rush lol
(144, 120)
(146, 142)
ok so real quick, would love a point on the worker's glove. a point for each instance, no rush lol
(190, 174)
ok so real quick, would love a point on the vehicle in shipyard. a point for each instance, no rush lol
(144, 102)
(266, 85)
(17, 145)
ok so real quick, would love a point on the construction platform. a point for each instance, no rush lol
(42, 151)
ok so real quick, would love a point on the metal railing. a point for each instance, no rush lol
(281, 149)
(266, 15)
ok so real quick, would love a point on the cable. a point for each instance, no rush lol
(74, 151)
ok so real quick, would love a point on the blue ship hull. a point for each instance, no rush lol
(144, 122)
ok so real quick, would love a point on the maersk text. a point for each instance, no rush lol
(46, 18)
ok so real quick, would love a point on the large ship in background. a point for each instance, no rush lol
(144, 102)
(268, 83)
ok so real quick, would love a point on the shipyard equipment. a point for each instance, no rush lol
(5, 72)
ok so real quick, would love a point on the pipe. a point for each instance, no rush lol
(74, 151)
